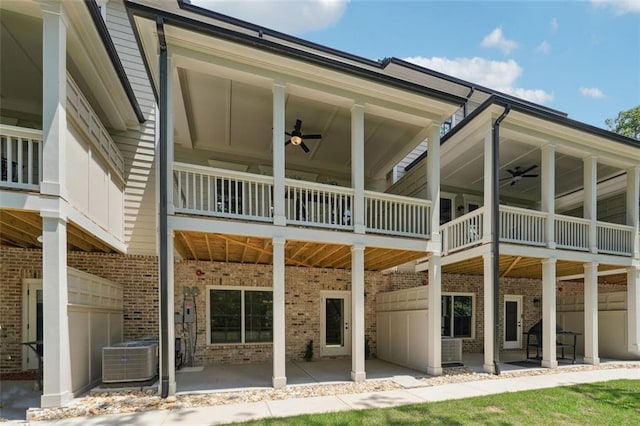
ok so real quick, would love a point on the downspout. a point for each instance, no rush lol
(495, 234)
(162, 211)
(464, 106)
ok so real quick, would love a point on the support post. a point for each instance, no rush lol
(170, 307)
(434, 316)
(633, 310)
(488, 365)
(357, 167)
(433, 180)
(549, 313)
(633, 207)
(358, 373)
(488, 188)
(279, 347)
(591, 199)
(57, 355)
(591, 313)
(279, 214)
(548, 194)
(54, 99)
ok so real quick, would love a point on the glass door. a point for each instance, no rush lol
(335, 319)
(512, 322)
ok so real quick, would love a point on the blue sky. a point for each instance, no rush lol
(581, 57)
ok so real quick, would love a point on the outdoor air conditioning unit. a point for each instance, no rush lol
(133, 361)
(451, 350)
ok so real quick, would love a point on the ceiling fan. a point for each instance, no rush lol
(517, 174)
(298, 138)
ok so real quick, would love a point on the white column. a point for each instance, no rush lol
(633, 200)
(433, 180)
(548, 192)
(357, 167)
(54, 99)
(549, 313)
(57, 355)
(489, 326)
(171, 326)
(488, 191)
(633, 310)
(279, 217)
(279, 348)
(434, 316)
(591, 313)
(170, 142)
(591, 199)
(358, 373)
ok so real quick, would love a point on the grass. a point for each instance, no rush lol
(615, 402)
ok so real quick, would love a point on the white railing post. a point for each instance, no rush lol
(549, 192)
(357, 166)
(590, 199)
(633, 208)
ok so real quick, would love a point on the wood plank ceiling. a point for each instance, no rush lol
(20, 228)
(530, 267)
(239, 249)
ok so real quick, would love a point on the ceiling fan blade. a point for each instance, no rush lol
(287, 142)
(288, 134)
(514, 182)
(529, 169)
(530, 176)
(304, 147)
(511, 172)
(313, 136)
(298, 125)
(507, 178)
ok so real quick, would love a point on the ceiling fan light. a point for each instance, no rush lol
(296, 140)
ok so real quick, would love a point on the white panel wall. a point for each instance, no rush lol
(401, 338)
(136, 145)
(77, 169)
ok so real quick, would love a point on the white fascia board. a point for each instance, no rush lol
(463, 255)
(92, 228)
(15, 200)
(261, 230)
(567, 255)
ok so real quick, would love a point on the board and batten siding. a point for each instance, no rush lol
(137, 145)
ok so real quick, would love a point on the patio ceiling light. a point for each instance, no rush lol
(296, 140)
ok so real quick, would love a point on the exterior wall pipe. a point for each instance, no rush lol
(162, 212)
(495, 234)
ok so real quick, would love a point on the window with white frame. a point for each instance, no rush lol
(458, 315)
(240, 315)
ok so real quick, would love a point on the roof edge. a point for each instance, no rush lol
(101, 27)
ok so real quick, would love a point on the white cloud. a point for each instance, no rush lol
(497, 39)
(554, 24)
(591, 92)
(291, 17)
(497, 75)
(544, 47)
(620, 6)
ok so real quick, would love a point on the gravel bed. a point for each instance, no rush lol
(129, 401)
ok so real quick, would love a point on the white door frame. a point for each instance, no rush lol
(345, 348)
(29, 321)
(517, 344)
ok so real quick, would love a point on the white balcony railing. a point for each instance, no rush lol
(79, 109)
(614, 239)
(20, 157)
(522, 226)
(572, 232)
(396, 215)
(222, 193)
(316, 204)
(463, 232)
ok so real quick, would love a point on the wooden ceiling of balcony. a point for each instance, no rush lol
(19, 228)
(239, 249)
(531, 267)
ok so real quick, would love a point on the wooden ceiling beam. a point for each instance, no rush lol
(511, 266)
(206, 240)
(188, 244)
(232, 241)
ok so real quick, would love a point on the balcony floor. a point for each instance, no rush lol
(241, 249)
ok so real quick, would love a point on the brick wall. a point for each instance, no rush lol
(138, 274)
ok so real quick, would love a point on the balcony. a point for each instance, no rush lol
(528, 227)
(228, 194)
(21, 158)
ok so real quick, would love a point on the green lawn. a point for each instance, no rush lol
(606, 403)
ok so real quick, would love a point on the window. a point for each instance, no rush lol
(457, 315)
(240, 315)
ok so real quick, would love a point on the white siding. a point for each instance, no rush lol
(137, 145)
